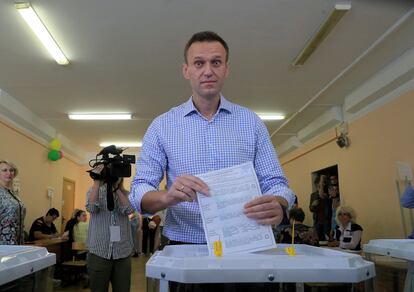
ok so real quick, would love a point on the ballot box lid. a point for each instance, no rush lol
(193, 264)
(17, 261)
(397, 248)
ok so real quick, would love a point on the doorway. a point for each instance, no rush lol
(68, 201)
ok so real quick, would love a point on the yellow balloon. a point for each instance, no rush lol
(55, 144)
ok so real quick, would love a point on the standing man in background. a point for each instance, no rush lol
(321, 206)
(109, 240)
(205, 133)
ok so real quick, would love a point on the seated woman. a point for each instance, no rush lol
(348, 234)
(76, 228)
(303, 233)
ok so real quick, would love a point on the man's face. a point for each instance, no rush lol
(50, 218)
(206, 68)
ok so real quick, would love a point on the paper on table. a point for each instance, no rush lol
(222, 212)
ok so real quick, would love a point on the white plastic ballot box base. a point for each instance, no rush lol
(18, 261)
(396, 248)
(192, 264)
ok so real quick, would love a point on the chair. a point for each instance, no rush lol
(73, 270)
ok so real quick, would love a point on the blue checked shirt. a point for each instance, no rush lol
(182, 141)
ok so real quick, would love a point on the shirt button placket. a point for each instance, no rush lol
(210, 146)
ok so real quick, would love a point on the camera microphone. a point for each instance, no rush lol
(111, 149)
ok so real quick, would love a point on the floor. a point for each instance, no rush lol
(390, 277)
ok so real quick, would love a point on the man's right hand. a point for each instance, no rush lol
(184, 189)
(315, 203)
(98, 169)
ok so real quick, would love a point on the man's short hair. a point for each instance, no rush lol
(205, 36)
(297, 214)
(53, 212)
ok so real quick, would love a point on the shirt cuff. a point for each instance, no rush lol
(286, 194)
(135, 196)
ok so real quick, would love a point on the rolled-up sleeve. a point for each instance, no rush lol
(91, 207)
(269, 172)
(150, 166)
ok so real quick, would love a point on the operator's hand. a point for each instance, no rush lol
(98, 169)
(185, 188)
(266, 210)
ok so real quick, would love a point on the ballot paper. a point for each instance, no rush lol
(222, 212)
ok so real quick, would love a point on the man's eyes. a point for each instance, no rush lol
(215, 63)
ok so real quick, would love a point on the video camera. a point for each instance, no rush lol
(115, 167)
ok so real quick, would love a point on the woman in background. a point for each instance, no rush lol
(12, 210)
(73, 231)
(76, 230)
(348, 234)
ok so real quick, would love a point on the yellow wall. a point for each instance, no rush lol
(367, 169)
(37, 173)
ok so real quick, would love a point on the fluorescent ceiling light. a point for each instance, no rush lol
(108, 116)
(31, 18)
(266, 117)
(321, 33)
(122, 144)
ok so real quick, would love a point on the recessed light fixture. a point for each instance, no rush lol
(101, 116)
(33, 20)
(269, 117)
(122, 144)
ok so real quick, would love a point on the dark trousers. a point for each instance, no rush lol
(147, 235)
(102, 271)
(323, 230)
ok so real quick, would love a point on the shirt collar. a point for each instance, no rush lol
(348, 227)
(188, 106)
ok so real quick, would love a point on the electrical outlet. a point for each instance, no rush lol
(50, 192)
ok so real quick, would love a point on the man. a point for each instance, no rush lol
(205, 133)
(109, 239)
(321, 206)
(43, 227)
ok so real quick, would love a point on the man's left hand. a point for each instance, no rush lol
(266, 210)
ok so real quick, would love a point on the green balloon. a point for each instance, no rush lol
(53, 155)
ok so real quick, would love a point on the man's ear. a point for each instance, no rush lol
(185, 71)
(227, 70)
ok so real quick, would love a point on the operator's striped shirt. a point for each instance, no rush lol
(98, 241)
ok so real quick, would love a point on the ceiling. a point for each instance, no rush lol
(126, 56)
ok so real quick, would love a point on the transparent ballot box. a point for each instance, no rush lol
(402, 249)
(26, 268)
(193, 264)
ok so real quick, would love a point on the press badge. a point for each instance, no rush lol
(115, 233)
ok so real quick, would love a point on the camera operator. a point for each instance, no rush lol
(109, 238)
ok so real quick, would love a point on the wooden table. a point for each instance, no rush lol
(53, 245)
